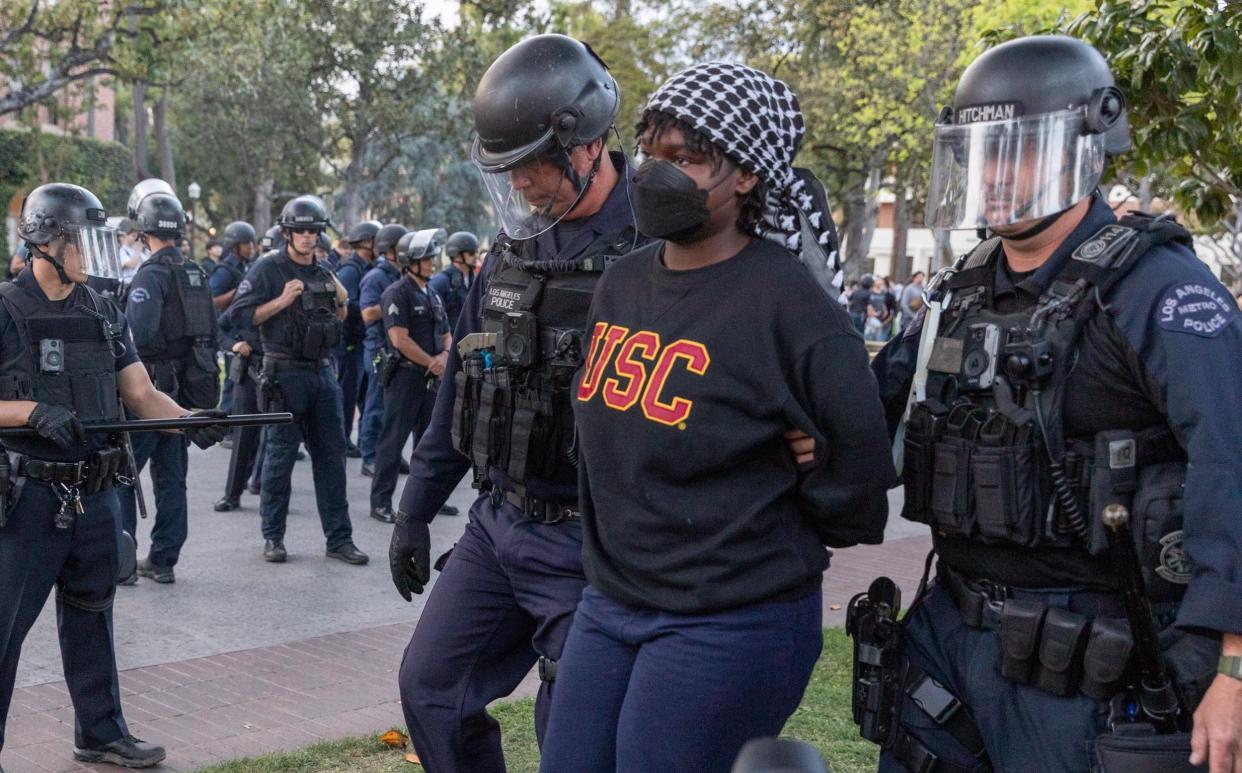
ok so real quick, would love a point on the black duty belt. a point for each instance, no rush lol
(91, 475)
(541, 510)
(274, 363)
(981, 602)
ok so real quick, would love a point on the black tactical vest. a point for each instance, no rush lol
(182, 362)
(308, 329)
(512, 409)
(70, 360)
(986, 458)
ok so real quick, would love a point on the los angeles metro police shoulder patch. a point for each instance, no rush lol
(1195, 308)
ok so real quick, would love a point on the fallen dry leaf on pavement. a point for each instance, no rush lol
(395, 739)
(412, 758)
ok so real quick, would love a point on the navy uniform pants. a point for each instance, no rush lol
(506, 596)
(1023, 728)
(408, 401)
(350, 375)
(81, 563)
(372, 411)
(314, 399)
(169, 457)
(646, 691)
(245, 439)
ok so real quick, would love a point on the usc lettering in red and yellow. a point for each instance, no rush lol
(628, 369)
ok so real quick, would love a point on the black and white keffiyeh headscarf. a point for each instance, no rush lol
(755, 119)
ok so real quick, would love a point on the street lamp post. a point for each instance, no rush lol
(195, 190)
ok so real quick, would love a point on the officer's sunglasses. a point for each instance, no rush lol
(304, 231)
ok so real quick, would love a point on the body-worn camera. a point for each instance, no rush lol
(979, 356)
(51, 355)
(519, 339)
(1026, 361)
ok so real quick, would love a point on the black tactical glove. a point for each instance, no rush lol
(409, 555)
(208, 436)
(58, 424)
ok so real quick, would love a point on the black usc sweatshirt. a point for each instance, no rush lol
(692, 501)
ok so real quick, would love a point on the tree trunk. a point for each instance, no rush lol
(621, 10)
(902, 214)
(163, 142)
(853, 206)
(140, 131)
(352, 197)
(263, 186)
(870, 210)
(163, 139)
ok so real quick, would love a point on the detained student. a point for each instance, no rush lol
(704, 539)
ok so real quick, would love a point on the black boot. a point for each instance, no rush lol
(128, 752)
(350, 554)
(368, 470)
(227, 504)
(161, 574)
(383, 514)
(274, 552)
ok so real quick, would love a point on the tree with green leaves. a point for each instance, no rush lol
(46, 46)
(1180, 64)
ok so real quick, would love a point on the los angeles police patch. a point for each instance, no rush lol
(1195, 308)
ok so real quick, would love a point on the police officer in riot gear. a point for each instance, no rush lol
(415, 351)
(241, 363)
(174, 327)
(297, 307)
(508, 590)
(1070, 364)
(382, 273)
(240, 244)
(453, 283)
(65, 356)
(273, 239)
(351, 370)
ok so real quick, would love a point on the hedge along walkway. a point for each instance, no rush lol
(291, 696)
(28, 157)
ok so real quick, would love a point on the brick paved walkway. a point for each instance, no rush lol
(245, 703)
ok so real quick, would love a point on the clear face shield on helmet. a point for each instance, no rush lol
(532, 194)
(92, 249)
(995, 173)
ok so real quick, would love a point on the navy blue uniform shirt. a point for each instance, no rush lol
(228, 275)
(1167, 346)
(263, 282)
(452, 286)
(418, 310)
(374, 283)
(437, 467)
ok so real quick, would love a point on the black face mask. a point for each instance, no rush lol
(668, 204)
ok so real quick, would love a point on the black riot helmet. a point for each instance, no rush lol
(58, 216)
(273, 239)
(387, 237)
(1032, 123)
(144, 189)
(362, 232)
(304, 212)
(459, 242)
(161, 215)
(540, 99)
(419, 245)
(238, 232)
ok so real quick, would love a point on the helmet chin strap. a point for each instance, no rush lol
(57, 262)
(1040, 226)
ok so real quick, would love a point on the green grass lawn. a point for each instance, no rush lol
(823, 719)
